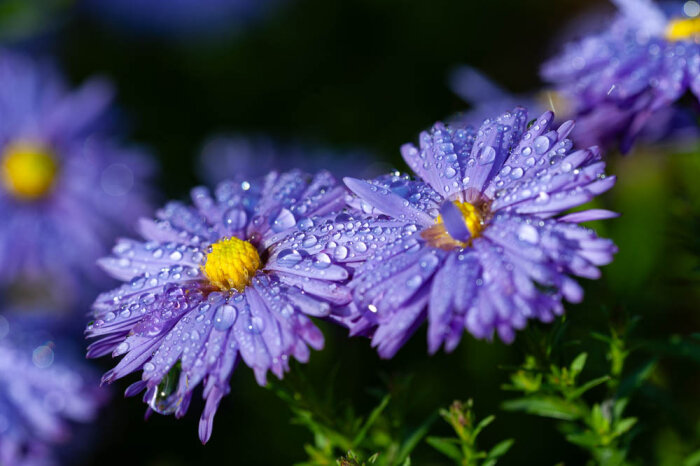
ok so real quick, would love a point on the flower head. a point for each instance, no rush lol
(234, 277)
(64, 189)
(620, 80)
(44, 388)
(489, 248)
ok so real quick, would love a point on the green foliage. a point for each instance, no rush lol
(463, 449)
(352, 459)
(381, 436)
(552, 391)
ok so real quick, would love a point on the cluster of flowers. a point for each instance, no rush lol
(479, 238)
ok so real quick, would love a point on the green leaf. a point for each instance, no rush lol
(693, 459)
(624, 425)
(545, 406)
(374, 415)
(415, 437)
(585, 439)
(587, 386)
(484, 422)
(598, 420)
(619, 407)
(445, 446)
(578, 364)
(500, 449)
(636, 378)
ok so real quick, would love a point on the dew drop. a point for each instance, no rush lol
(542, 144)
(487, 154)
(322, 260)
(340, 253)
(165, 399)
(235, 218)
(528, 233)
(225, 317)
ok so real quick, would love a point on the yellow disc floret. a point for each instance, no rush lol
(683, 29)
(437, 236)
(231, 264)
(28, 170)
(471, 216)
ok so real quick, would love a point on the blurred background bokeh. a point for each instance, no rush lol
(368, 75)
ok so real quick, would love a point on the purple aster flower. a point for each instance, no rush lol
(621, 79)
(487, 98)
(233, 277)
(44, 390)
(245, 157)
(64, 188)
(489, 248)
(599, 126)
(180, 17)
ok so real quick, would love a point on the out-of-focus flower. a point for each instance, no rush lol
(490, 249)
(234, 277)
(623, 81)
(486, 98)
(599, 126)
(65, 190)
(245, 157)
(180, 17)
(44, 389)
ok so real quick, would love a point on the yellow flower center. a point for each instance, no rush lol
(231, 264)
(28, 170)
(683, 29)
(437, 236)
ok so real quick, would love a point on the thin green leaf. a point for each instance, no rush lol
(578, 364)
(484, 422)
(624, 425)
(374, 415)
(546, 407)
(587, 386)
(415, 437)
(445, 446)
(500, 449)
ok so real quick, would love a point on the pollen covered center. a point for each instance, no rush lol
(683, 29)
(231, 264)
(439, 235)
(28, 170)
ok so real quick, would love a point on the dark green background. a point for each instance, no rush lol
(371, 74)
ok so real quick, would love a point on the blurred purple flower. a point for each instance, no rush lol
(486, 98)
(44, 388)
(599, 126)
(488, 249)
(623, 81)
(236, 276)
(65, 190)
(180, 17)
(245, 157)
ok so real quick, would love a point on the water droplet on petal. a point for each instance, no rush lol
(322, 260)
(528, 233)
(340, 253)
(542, 144)
(288, 257)
(487, 154)
(235, 218)
(516, 173)
(166, 399)
(414, 281)
(224, 317)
